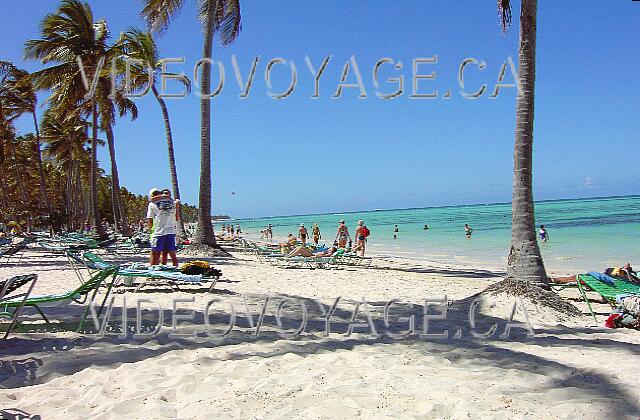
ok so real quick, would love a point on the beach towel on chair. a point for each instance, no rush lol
(602, 277)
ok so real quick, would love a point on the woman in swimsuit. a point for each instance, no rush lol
(343, 235)
(316, 234)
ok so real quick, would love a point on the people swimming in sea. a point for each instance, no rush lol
(625, 272)
(343, 235)
(426, 227)
(395, 232)
(467, 231)
(544, 235)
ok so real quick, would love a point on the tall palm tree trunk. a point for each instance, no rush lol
(44, 198)
(204, 230)
(21, 185)
(80, 208)
(68, 191)
(93, 175)
(3, 188)
(172, 160)
(525, 261)
(119, 213)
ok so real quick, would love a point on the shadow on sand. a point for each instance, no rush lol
(35, 359)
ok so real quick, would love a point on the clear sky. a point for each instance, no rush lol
(302, 155)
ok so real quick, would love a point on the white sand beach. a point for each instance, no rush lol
(572, 368)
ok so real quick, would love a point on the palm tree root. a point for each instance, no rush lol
(533, 292)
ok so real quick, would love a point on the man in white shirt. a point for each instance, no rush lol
(161, 220)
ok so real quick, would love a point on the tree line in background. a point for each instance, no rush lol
(66, 206)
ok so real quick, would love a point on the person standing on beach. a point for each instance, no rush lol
(467, 231)
(362, 232)
(395, 232)
(162, 218)
(544, 235)
(316, 234)
(238, 231)
(154, 195)
(343, 235)
(303, 233)
(269, 233)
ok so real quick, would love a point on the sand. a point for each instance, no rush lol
(571, 368)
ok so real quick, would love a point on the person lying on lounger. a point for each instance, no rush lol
(626, 272)
(304, 252)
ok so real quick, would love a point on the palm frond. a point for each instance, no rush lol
(226, 20)
(158, 13)
(230, 24)
(504, 10)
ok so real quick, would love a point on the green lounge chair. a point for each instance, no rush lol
(168, 277)
(14, 251)
(78, 295)
(11, 285)
(607, 291)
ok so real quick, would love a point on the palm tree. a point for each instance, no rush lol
(141, 46)
(65, 140)
(12, 105)
(108, 107)
(525, 260)
(10, 102)
(222, 16)
(28, 104)
(69, 33)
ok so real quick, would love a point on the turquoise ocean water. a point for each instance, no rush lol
(585, 234)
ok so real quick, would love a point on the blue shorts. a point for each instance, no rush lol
(163, 243)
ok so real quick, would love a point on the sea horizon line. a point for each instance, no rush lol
(431, 207)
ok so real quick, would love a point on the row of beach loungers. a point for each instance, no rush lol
(93, 274)
(272, 255)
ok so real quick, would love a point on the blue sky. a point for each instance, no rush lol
(302, 155)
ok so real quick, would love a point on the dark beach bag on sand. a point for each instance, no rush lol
(200, 267)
